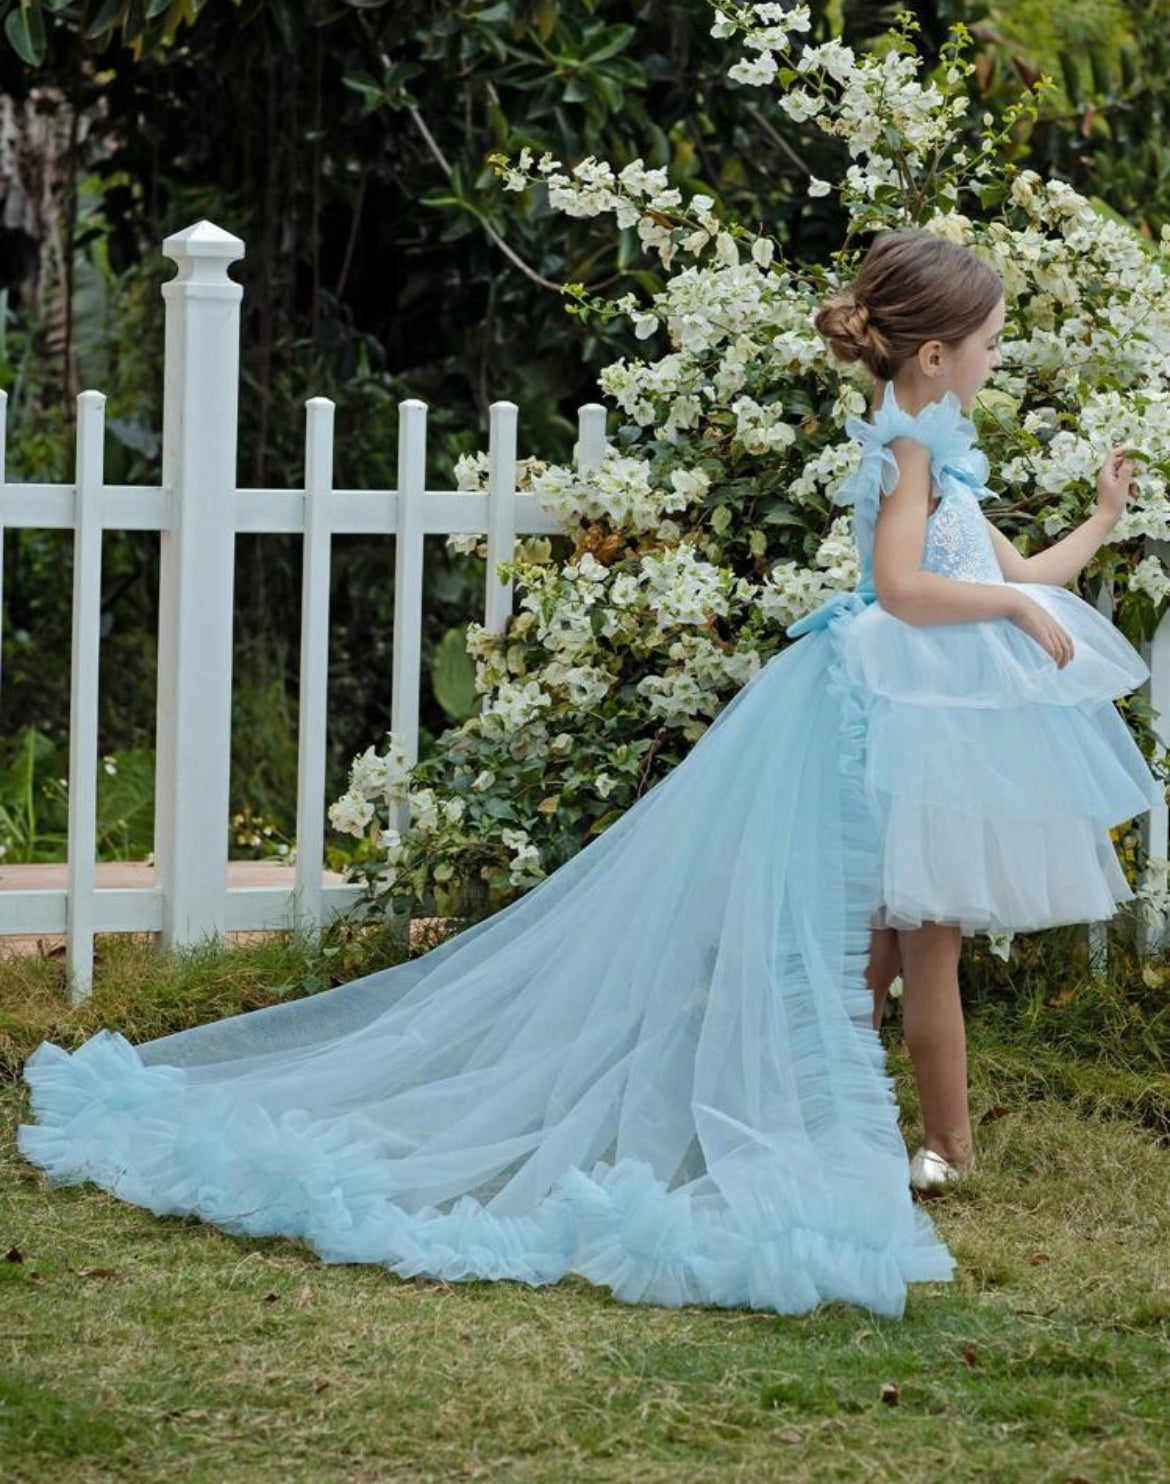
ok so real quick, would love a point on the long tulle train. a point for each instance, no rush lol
(656, 1069)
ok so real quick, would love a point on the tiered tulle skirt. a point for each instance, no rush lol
(995, 773)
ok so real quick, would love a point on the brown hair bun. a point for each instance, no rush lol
(911, 287)
(847, 325)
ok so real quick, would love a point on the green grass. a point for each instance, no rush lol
(141, 1348)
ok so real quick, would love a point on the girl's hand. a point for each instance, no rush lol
(1115, 483)
(1050, 635)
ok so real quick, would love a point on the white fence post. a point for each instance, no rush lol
(1097, 933)
(196, 582)
(590, 445)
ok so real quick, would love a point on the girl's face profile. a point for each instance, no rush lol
(967, 365)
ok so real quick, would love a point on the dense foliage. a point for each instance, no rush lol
(709, 525)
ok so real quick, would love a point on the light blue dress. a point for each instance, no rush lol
(657, 1068)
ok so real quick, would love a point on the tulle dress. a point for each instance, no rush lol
(657, 1069)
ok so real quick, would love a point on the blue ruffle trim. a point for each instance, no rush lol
(106, 1117)
(941, 427)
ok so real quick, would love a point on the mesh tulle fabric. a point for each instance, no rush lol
(992, 662)
(944, 431)
(1013, 834)
(990, 874)
(655, 1070)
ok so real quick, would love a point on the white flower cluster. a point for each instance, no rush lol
(558, 605)
(837, 554)
(762, 429)
(1071, 458)
(681, 588)
(581, 686)
(374, 779)
(472, 475)
(1150, 577)
(731, 326)
(867, 101)
(705, 670)
(619, 489)
(514, 705)
(526, 858)
(790, 592)
(377, 781)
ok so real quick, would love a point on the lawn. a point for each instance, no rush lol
(144, 1348)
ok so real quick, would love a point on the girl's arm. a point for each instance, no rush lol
(902, 588)
(1064, 559)
(1058, 563)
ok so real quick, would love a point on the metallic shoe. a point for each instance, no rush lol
(930, 1171)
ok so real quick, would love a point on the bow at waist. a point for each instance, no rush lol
(848, 600)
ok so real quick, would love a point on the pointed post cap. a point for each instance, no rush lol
(203, 252)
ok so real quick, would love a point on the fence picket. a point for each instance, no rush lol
(409, 552)
(314, 677)
(83, 687)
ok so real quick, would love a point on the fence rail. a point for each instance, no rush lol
(198, 510)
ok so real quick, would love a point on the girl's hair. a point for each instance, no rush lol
(911, 287)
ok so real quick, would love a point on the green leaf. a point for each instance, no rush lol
(615, 40)
(25, 29)
(104, 19)
(490, 14)
(784, 518)
(453, 675)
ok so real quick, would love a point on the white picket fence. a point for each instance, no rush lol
(198, 511)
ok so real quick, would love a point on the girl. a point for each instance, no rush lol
(926, 319)
(659, 1068)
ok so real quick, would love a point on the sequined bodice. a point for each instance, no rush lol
(958, 543)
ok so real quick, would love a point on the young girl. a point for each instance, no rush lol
(660, 1068)
(971, 849)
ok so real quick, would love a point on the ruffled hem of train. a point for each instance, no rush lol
(108, 1118)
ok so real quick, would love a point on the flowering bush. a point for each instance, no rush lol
(709, 524)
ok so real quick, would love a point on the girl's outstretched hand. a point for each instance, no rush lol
(1036, 620)
(1115, 483)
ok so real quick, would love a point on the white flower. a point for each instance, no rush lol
(350, 814)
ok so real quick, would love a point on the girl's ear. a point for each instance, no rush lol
(929, 356)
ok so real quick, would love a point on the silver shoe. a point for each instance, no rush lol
(930, 1171)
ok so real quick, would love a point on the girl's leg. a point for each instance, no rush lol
(885, 964)
(935, 1036)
